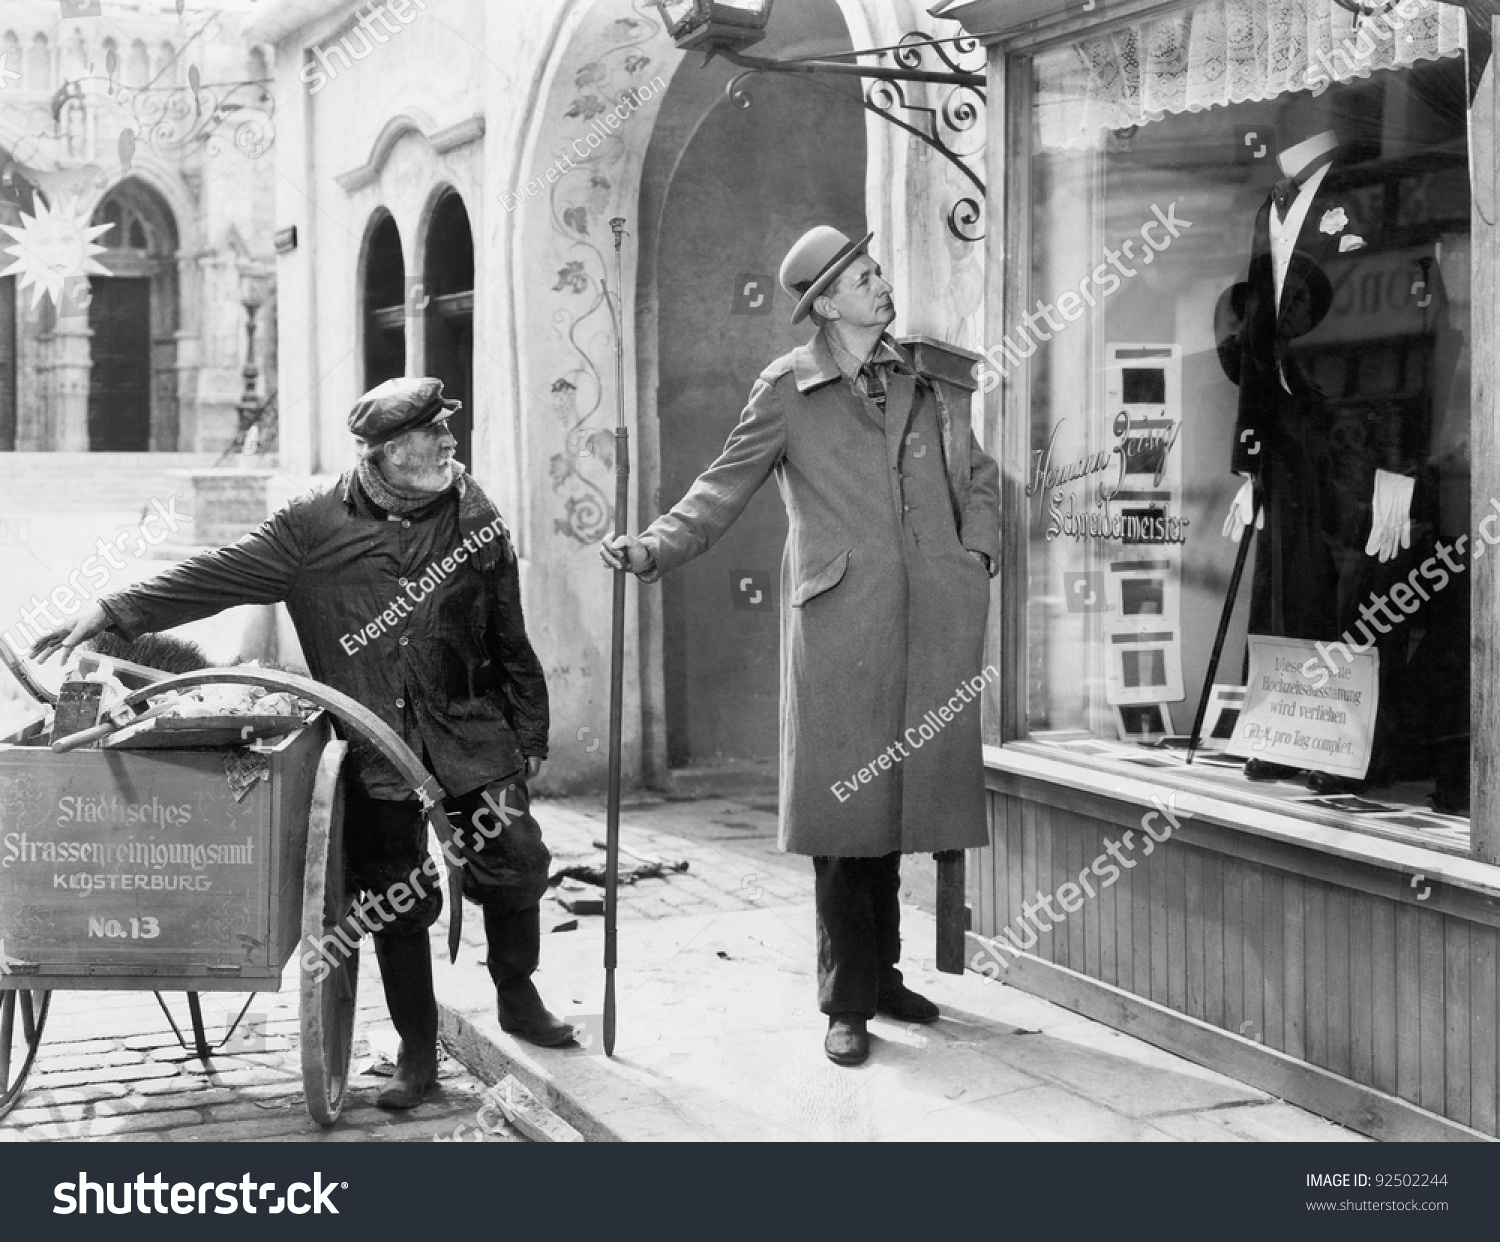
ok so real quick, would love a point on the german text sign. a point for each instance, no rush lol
(1305, 712)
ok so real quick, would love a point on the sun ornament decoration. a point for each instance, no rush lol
(52, 247)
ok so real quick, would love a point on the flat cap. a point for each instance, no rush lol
(399, 405)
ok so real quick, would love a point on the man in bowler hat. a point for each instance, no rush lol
(893, 537)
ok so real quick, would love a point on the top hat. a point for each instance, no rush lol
(815, 262)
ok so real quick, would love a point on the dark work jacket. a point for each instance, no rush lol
(456, 677)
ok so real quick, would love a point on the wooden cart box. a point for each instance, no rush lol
(170, 870)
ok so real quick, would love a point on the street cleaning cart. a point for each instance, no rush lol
(193, 869)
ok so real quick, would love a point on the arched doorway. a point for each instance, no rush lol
(447, 301)
(728, 206)
(383, 281)
(133, 324)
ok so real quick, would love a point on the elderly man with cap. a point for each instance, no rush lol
(407, 539)
(893, 536)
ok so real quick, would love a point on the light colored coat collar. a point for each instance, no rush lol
(814, 365)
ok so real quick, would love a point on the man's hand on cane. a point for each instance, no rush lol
(624, 552)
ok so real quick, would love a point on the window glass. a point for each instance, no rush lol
(1249, 294)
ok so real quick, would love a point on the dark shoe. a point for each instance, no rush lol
(847, 1041)
(416, 1074)
(1331, 786)
(522, 1013)
(905, 1005)
(1260, 770)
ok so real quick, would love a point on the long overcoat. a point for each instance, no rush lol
(882, 607)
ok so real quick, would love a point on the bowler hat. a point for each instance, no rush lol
(399, 405)
(815, 262)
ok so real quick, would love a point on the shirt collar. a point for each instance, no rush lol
(1296, 160)
(823, 360)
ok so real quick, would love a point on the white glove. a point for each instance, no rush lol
(1390, 516)
(1241, 511)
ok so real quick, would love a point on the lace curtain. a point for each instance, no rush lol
(1223, 52)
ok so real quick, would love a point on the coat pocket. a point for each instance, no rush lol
(824, 580)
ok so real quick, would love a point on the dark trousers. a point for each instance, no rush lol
(505, 871)
(859, 931)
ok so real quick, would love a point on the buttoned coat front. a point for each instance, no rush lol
(882, 607)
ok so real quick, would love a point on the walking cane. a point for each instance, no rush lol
(617, 654)
(1234, 590)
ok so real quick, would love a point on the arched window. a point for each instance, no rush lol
(133, 319)
(39, 65)
(384, 292)
(448, 314)
(137, 70)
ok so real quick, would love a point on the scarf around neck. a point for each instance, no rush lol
(476, 512)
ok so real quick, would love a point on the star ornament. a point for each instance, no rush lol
(51, 247)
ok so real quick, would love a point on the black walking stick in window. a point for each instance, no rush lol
(1229, 598)
(617, 651)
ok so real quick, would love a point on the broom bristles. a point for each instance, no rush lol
(163, 652)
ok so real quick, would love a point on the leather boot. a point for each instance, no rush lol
(515, 943)
(406, 972)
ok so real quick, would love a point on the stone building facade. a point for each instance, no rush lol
(156, 124)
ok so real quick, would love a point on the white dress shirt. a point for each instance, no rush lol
(1284, 233)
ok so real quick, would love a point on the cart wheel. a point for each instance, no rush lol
(19, 1040)
(327, 1002)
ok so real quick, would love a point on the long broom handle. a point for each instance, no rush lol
(1224, 617)
(616, 664)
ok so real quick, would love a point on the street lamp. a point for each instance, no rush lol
(252, 297)
(715, 25)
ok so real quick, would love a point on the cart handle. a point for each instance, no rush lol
(16, 663)
(360, 719)
(117, 718)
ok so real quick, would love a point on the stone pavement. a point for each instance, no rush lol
(719, 1037)
(110, 1069)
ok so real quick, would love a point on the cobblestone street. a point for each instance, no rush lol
(111, 1069)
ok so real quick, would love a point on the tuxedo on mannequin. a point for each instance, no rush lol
(1339, 376)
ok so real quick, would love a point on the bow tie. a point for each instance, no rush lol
(1285, 190)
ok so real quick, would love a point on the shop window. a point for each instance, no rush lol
(1248, 290)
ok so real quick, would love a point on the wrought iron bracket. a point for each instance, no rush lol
(174, 118)
(938, 127)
